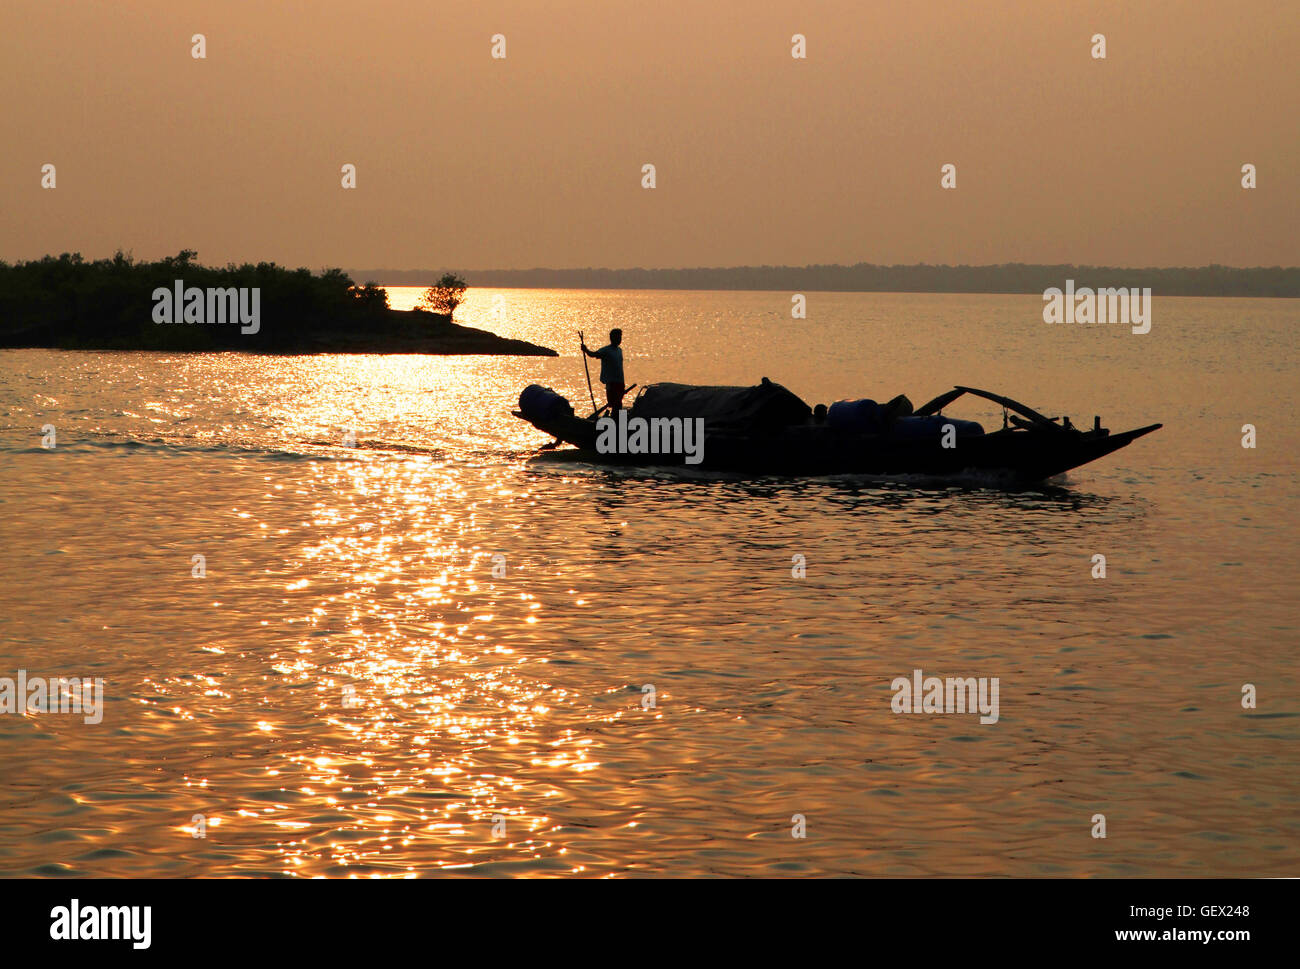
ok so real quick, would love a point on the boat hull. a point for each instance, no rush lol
(1017, 454)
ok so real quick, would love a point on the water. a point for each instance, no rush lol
(335, 573)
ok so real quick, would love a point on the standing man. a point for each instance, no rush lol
(611, 369)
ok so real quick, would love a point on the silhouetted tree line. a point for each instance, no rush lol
(865, 277)
(109, 303)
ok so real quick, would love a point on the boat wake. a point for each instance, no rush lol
(400, 447)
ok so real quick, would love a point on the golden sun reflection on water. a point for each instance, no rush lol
(408, 674)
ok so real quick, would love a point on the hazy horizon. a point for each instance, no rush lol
(535, 160)
(840, 265)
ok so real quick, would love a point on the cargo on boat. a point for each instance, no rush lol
(766, 429)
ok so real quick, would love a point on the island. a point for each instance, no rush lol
(177, 304)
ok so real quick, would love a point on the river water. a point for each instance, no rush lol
(350, 690)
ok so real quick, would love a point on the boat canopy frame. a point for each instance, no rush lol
(943, 400)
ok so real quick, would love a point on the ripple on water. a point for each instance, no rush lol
(349, 690)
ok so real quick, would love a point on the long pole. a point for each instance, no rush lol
(582, 342)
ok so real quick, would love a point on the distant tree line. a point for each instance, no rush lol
(1212, 280)
(67, 301)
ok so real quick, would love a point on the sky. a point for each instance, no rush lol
(536, 159)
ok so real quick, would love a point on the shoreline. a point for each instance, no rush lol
(406, 332)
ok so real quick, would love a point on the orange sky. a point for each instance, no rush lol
(469, 162)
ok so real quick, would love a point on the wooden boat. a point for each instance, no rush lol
(766, 429)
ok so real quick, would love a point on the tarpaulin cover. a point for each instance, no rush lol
(766, 405)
